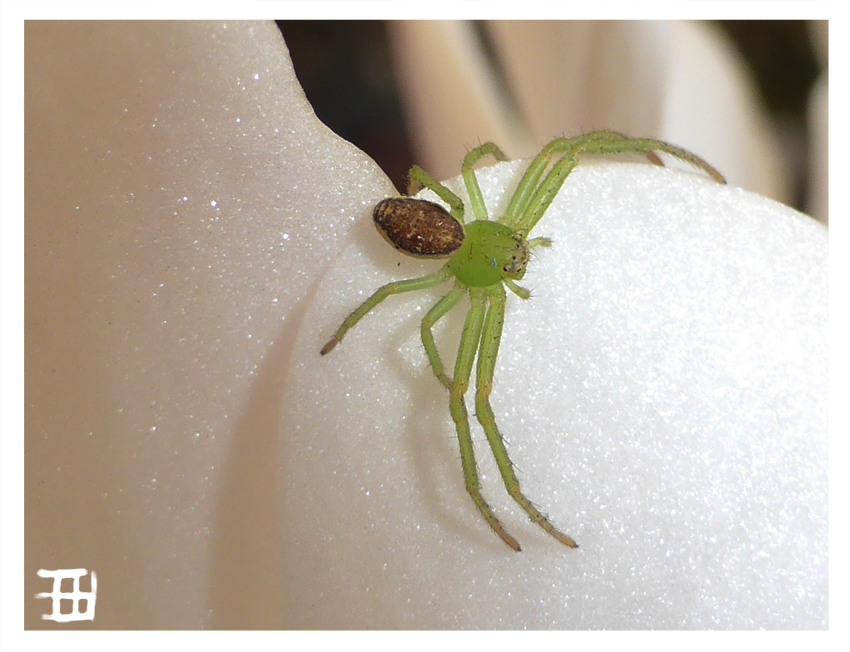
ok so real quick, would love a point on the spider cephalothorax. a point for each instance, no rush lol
(485, 257)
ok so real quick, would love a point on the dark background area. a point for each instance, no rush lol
(346, 71)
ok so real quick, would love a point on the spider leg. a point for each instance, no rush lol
(419, 178)
(530, 190)
(397, 287)
(521, 292)
(545, 193)
(607, 135)
(463, 369)
(530, 180)
(490, 336)
(479, 209)
(539, 242)
(527, 185)
(644, 145)
(440, 309)
(548, 189)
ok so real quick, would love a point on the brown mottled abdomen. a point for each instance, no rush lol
(418, 228)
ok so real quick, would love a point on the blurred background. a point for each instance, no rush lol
(748, 96)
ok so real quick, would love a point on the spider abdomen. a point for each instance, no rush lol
(418, 228)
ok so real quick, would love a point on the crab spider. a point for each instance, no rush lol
(485, 257)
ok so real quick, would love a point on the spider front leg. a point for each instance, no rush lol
(491, 335)
(533, 197)
(463, 369)
(528, 184)
(551, 185)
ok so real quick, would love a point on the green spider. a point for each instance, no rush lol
(485, 257)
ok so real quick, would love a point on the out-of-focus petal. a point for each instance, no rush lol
(818, 206)
(677, 81)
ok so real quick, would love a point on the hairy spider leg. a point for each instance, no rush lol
(419, 178)
(463, 369)
(545, 193)
(539, 242)
(530, 180)
(598, 142)
(397, 287)
(565, 144)
(643, 145)
(517, 289)
(476, 199)
(613, 142)
(548, 189)
(440, 309)
(491, 335)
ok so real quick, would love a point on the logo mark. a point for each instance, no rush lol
(76, 596)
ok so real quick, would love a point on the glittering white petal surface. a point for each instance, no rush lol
(663, 395)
